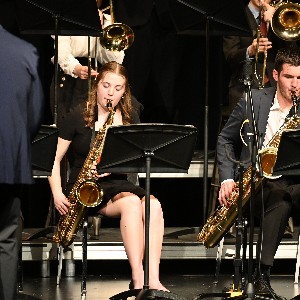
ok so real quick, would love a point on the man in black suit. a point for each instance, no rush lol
(21, 112)
(237, 48)
(271, 107)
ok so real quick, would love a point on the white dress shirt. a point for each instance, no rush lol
(70, 47)
(275, 120)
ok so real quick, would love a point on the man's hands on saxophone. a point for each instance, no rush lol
(225, 191)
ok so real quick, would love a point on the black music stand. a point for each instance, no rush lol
(43, 149)
(288, 158)
(58, 17)
(228, 18)
(147, 148)
(288, 155)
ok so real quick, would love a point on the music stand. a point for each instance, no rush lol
(58, 17)
(229, 18)
(288, 158)
(288, 155)
(147, 148)
(43, 149)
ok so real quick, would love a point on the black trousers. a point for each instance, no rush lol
(279, 197)
(9, 240)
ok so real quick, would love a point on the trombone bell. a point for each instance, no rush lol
(286, 21)
(117, 37)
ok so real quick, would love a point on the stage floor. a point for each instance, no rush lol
(187, 281)
(187, 267)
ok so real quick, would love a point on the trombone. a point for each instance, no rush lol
(117, 36)
(285, 23)
(261, 32)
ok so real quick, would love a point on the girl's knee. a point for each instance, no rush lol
(155, 207)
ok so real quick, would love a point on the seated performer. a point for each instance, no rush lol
(122, 199)
(271, 106)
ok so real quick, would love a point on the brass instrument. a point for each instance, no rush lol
(260, 32)
(286, 20)
(117, 36)
(220, 221)
(285, 24)
(86, 191)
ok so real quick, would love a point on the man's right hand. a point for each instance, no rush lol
(225, 191)
(264, 44)
(83, 71)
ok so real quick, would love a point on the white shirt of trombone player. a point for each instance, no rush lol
(70, 47)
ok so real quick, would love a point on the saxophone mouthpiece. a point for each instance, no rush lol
(109, 103)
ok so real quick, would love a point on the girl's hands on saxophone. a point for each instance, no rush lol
(61, 203)
(95, 171)
(225, 191)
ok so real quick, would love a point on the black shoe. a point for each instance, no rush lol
(131, 287)
(263, 289)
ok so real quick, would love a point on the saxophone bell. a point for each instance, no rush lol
(89, 193)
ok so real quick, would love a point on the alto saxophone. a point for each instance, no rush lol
(86, 191)
(220, 221)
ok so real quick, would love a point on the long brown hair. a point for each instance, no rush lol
(125, 106)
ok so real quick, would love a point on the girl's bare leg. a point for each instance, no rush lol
(129, 208)
(156, 233)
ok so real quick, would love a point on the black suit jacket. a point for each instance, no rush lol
(230, 134)
(234, 49)
(21, 107)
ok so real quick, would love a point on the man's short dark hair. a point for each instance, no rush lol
(287, 55)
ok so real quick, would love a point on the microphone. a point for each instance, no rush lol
(247, 72)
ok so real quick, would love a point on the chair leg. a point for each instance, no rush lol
(291, 224)
(297, 261)
(59, 268)
(84, 260)
(20, 272)
(218, 260)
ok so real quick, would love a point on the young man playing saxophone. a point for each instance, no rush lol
(271, 107)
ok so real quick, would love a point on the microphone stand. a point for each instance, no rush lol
(255, 163)
(237, 292)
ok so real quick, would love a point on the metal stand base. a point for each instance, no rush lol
(146, 294)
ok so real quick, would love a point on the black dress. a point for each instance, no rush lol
(73, 129)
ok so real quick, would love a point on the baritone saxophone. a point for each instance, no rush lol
(220, 221)
(86, 191)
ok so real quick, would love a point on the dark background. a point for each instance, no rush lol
(181, 198)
